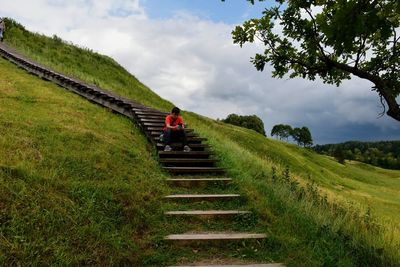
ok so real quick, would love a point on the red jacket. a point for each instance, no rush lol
(170, 120)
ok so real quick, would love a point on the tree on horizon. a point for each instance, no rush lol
(302, 136)
(252, 122)
(282, 131)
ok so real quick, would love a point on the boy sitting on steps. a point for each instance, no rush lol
(174, 129)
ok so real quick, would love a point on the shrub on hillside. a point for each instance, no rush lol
(250, 122)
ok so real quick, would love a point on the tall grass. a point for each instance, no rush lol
(78, 184)
(304, 212)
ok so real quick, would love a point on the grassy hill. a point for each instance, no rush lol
(75, 180)
(79, 185)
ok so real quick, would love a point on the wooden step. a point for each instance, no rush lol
(108, 97)
(236, 265)
(215, 237)
(194, 170)
(179, 146)
(146, 127)
(203, 197)
(190, 139)
(152, 113)
(188, 134)
(152, 120)
(182, 154)
(151, 116)
(190, 182)
(186, 162)
(207, 213)
(161, 129)
(146, 110)
(153, 124)
(141, 108)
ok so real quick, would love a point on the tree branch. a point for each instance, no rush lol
(381, 86)
(360, 50)
(315, 28)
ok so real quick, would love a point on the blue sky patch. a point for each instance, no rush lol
(230, 11)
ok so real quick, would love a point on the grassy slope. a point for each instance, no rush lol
(302, 231)
(83, 64)
(77, 183)
(363, 183)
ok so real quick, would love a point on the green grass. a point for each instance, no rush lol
(379, 188)
(78, 184)
(81, 63)
(251, 159)
(86, 179)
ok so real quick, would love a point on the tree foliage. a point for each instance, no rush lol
(248, 121)
(384, 154)
(282, 131)
(339, 154)
(302, 136)
(331, 39)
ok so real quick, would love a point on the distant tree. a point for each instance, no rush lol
(296, 135)
(302, 136)
(333, 40)
(250, 122)
(282, 131)
(385, 154)
(348, 154)
(339, 154)
(255, 123)
(233, 119)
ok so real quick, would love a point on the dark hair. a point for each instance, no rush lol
(176, 111)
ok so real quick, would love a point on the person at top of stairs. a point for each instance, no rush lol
(174, 130)
(2, 29)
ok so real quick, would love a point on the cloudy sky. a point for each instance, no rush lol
(183, 50)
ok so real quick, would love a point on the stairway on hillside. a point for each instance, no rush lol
(198, 171)
(212, 199)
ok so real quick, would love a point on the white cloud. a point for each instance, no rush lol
(194, 63)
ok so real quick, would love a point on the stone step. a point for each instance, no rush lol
(207, 213)
(203, 197)
(190, 182)
(194, 170)
(215, 236)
